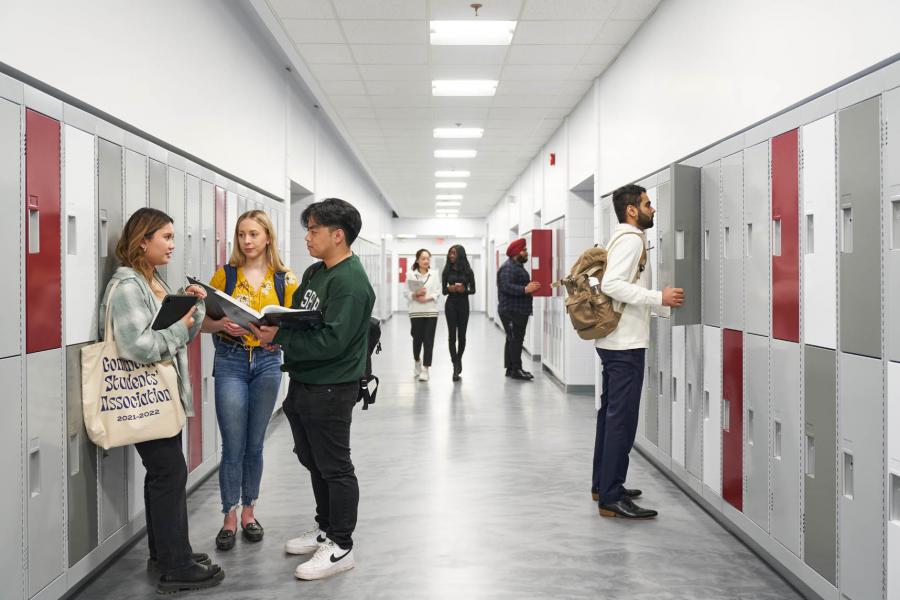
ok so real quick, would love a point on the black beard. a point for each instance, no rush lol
(521, 259)
(644, 222)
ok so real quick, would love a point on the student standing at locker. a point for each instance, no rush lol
(147, 242)
(423, 311)
(458, 282)
(247, 375)
(326, 366)
(622, 352)
(514, 306)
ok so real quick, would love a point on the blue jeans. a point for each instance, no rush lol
(247, 385)
(617, 420)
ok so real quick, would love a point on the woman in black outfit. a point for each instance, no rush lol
(458, 283)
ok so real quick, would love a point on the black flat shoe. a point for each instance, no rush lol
(626, 509)
(201, 558)
(195, 577)
(628, 494)
(253, 532)
(225, 539)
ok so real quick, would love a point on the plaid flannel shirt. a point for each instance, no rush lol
(511, 281)
(132, 311)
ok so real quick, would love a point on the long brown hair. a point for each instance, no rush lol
(140, 227)
(238, 258)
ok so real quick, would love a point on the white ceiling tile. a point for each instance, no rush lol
(302, 9)
(362, 123)
(386, 54)
(325, 54)
(499, 10)
(467, 55)
(343, 87)
(386, 32)
(617, 32)
(545, 54)
(400, 101)
(418, 73)
(462, 101)
(588, 71)
(314, 32)
(398, 88)
(635, 9)
(356, 112)
(533, 87)
(554, 32)
(601, 53)
(575, 87)
(464, 114)
(381, 9)
(466, 71)
(349, 101)
(403, 113)
(537, 72)
(569, 9)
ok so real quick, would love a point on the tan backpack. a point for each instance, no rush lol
(590, 310)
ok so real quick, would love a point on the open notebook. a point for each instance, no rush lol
(219, 305)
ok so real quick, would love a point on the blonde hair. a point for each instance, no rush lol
(140, 227)
(238, 258)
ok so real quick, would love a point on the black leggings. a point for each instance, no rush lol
(457, 311)
(422, 330)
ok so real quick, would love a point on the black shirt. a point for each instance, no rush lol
(452, 276)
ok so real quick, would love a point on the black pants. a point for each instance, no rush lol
(320, 417)
(514, 325)
(617, 420)
(422, 330)
(457, 311)
(165, 502)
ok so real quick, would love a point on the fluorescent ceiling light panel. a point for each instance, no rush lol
(454, 153)
(439, 204)
(464, 87)
(451, 185)
(472, 33)
(451, 173)
(458, 132)
(448, 197)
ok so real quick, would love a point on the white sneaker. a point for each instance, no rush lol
(330, 559)
(418, 368)
(423, 376)
(307, 543)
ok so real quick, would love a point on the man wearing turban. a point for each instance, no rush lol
(514, 290)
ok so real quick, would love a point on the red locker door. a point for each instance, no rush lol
(220, 227)
(542, 260)
(403, 266)
(732, 417)
(195, 423)
(43, 274)
(785, 238)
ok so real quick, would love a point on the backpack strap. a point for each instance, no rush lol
(230, 278)
(279, 286)
(365, 394)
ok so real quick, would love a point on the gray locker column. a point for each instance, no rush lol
(693, 393)
(859, 174)
(135, 183)
(861, 476)
(662, 346)
(733, 241)
(757, 255)
(665, 270)
(892, 219)
(786, 474)
(651, 416)
(157, 175)
(193, 243)
(756, 440)
(207, 355)
(686, 229)
(82, 475)
(175, 270)
(711, 245)
(819, 449)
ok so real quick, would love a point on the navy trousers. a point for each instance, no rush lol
(617, 420)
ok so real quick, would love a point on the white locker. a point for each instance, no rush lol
(893, 481)
(208, 397)
(786, 443)
(231, 217)
(756, 233)
(652, 239)
(12, 568)
(175, 271)
(192, 227)
(891, 179)
(733, 241)
(678, 395)
(241, 205)
(135, 183)
(818, 197)
(207, 231)
(712, 408)
(11, 198)
(79, 236)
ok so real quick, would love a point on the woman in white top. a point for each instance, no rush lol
(424, 289)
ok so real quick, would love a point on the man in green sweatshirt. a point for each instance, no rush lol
(325, 367)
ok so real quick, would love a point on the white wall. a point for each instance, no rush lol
(446, 228)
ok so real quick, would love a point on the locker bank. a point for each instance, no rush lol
(766, 136)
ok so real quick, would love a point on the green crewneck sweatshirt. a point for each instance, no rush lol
(335, 353)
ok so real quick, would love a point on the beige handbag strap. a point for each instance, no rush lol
(108, 335)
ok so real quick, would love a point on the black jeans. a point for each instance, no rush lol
(617, 420)
(514, 325)
(457, 310)
(320, 417)
(422, 330)
(165, 502)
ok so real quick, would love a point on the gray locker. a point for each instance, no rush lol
(678, 399)
(192, 227)
(861, 476)
(693, 393)
(785, 448)
(678, 230)
(44, 448)
(82, 523)
(892, 219)
(665, 240)
(207, 231)
(241, 205)
(231, 217)
(11, 565)
(157, 175)
(175, 270)
(859, 174)
(757, 256)
(710, 244)
(208, 391)
(756, 438)
(109, 214)
(135, 182)
(207, 353)
(819, 449)
(651, 417)
(663, 350)
(113, 475)
(10, 204)
(733, 241)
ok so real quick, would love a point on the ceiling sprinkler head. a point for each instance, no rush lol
(476, 6)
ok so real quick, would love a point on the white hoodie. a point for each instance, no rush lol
(432, 286)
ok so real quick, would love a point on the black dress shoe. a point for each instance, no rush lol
(198, 557)
(509, 372)
(628, 494)
(225, 539)
(520, 375)
(626, 509)
(194, 577)
(253, 532)
(528, 373)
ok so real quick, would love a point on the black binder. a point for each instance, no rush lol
(172, 309)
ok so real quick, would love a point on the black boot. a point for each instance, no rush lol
(457, 369)
(194, 577)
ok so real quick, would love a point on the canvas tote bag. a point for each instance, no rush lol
(126, 402)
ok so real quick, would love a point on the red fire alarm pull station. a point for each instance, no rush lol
(552, 158)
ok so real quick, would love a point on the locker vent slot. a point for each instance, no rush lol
(74, 458)
(679, 244)
(895, 222)
(750, 427)
(776, 236)
(777, 450)
(690, 397)
(848, 475)
(847, 229)
(34, 467)
(895, 498)
(706, 245)
(810, 456)
(705, 404)
(727, 236)
(748, 243)
(726, 415)
(71, 236)
(810, 234)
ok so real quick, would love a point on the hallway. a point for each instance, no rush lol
(473, 490)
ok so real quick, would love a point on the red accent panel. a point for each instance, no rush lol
(733, 436)
(542, 250)
(195, 423)
(43, 275)
(220, 228)
(786, 267)
(404, 263)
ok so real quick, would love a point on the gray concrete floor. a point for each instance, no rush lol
(472, 490)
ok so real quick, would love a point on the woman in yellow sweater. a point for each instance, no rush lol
(247, 375)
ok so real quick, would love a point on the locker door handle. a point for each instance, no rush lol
(74, 454)
(690, 397)
(847, 229)
(776, 444)
(727, 242)
(895, 222)
(679, 244)
(726, 415)
(34, 467)
(104, 233)
(810, 467)
(34, 226)
(71, 236)
(750, 427)
(776, 236)
(847, 463)
(748, 242)
(674, 390)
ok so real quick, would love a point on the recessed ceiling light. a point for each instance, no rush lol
(451, 173)
(454, 153)
(446, 203)
(472, 33)
(458, 132)
(448, 197)
(464, 87)
(451, 185)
